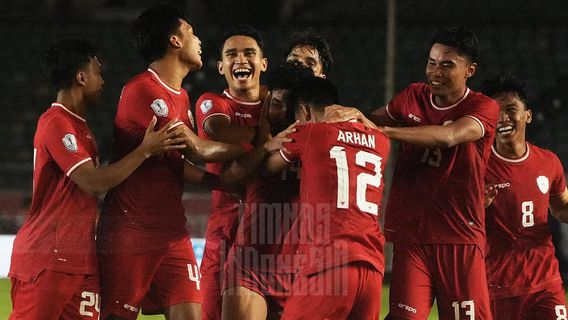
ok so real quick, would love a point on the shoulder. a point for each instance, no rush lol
(481, 100)
(542, 152)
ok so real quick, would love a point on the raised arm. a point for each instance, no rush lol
(98, 180)
(464, 130)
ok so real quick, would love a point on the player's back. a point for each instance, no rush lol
(520, 254)
(340, 193)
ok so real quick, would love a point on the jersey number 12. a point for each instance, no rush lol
(363, 179)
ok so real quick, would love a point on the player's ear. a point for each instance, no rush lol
(471, 70)
(175, 41)
(220, 67)
(264, 64)
(529, 115)
(81, 78)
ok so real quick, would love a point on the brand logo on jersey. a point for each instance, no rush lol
(131, 308)
(415, 118)
(70, 142)
(502, 185)
(542, 183)
(206, 105)
(243, 115)
(160, 107)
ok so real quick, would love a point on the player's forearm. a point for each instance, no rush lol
(559, 206)
(213, 151)
(425, 136)
(380, 118)
(103, 178)
(561, 215)
(232, 133)
(243, 167)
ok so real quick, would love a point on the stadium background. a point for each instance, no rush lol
(527, 37)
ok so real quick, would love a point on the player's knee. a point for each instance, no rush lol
(113, 317)
(389, 317)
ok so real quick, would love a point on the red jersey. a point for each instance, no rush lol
(150, 199)
(520, 255)
(238, 112)
(436, 195)
(270, 212)
(59, 231)
(340, 192)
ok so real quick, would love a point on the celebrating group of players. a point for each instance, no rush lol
(467, 209)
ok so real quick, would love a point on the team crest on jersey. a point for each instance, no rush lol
(542, 183)
(70, 142)
(206, 105)
(160, 107)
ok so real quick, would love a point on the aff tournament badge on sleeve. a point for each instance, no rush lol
(160, 107)
(206, 105)
(70, 142)
(542, 183)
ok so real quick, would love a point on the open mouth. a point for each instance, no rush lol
(505, 129)
(435, 83)
(242, 73)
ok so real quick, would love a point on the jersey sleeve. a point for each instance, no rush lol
(209, 105)
(485, 111)
(291, 151)
(396, 108)
(65, 144)
(144, 101)
(559, 181)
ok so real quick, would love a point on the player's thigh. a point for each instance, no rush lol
(243, 303)
(548, 304)
(183, 311)
(460, 282)
(506, 308)
(329, 294)
(411, 286)
(368, 301)
(177, 279)
(50, 296)
(86, 302)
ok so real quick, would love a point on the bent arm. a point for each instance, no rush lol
(464, 130)
(221, 129)
(559, 206)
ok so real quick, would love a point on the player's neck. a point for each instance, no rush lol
(170, 72)
(451, 98)
(73, 101)
(249, 95)
(512, 150)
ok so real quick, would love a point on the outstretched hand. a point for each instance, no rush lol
(162, 140)
(275, 143)
(490, 194)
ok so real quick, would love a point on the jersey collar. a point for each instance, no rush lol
(55, 104)
(467, 91)
(521, 159)
(246, 103)
(163, 83)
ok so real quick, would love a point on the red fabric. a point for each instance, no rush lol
(520, 253)
(453, 274)
(59, 231)
(340, 193)
(549, 303)
(437, 194)
(56, 295)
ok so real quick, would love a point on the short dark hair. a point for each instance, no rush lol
(316, 41)
(317, 92)
(507, 82)
(285, 75)
(460, 38)
(63, 59)
(152, 29)
(242, 30)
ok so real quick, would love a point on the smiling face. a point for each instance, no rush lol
(447, 72)
(190, 45)
(242, 63)
(513, 119)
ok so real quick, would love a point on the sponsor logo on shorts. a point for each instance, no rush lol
(243, 115)
(131, 308)
(407, 308)
(503, 185)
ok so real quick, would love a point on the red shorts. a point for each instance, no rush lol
(56, 295)
(548, 304)
(453, 274)
(274, 287)
(220, 235)
(351, 291)
(150, 280)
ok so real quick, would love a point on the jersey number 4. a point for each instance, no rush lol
(363, 179)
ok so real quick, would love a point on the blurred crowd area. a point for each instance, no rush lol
(525, 37)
